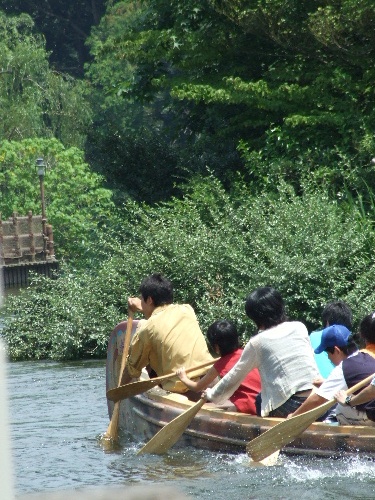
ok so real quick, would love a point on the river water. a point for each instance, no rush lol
(58, 411)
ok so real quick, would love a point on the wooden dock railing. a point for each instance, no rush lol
(24, 246)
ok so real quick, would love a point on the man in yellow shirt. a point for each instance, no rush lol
(168, 338)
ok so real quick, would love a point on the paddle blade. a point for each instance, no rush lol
(288, 430)
(132, 389)
(170, 433)
(284, 433)
(269, 461)
(111, 434)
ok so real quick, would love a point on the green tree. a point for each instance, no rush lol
(317, 94)
(77, 204)
(35, 100)
(289, 82)
(141, 51)
(65, 24)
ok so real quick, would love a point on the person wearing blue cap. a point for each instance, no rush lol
(334, 313)
(351, 366)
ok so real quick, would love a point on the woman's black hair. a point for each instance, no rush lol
(265, 307)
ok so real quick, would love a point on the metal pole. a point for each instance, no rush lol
(44, 219)
(41, 171)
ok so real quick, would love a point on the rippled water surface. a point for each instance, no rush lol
(58, 411)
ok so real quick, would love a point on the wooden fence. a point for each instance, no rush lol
(26, 243)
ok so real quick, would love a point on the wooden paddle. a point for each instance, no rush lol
(170, 433)
(112, 431)
(289, 429)
(134, 388)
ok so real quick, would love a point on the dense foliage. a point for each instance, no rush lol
(65, 24)
(216, 247)
(142, 50)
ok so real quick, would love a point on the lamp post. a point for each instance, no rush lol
(41, 168)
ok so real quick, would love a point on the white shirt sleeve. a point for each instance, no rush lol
(232, 380)
(333, 383)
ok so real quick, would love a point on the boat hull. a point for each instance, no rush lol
(212, 429)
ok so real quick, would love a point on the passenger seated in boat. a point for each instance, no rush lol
(224, 340)
(281, 351)
(334, 313)
(351, 366)
(168, 338)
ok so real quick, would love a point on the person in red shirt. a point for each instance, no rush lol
(224, 340)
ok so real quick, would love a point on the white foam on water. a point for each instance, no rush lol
(307, 470)
(304, 473)
(360, 467)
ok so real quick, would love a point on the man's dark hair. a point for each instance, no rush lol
(367, 328)
(159, 288)
(265, 307)
(224, 334)
(337, 313)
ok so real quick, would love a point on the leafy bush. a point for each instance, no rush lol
(216, 248)
(65, 318)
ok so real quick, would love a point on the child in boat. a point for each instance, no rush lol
(334, 313)
(223, 338)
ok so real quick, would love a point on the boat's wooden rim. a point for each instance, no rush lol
(318, 430)
(180, 401)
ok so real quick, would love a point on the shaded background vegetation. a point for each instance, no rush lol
(227, 144)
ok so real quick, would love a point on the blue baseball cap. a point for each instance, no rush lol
(334, 335)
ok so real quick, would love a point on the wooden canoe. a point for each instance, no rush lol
(142, 416)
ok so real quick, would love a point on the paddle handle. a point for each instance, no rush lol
(288, 430)
(134, 388)
(112, 431)
(188, 370)
(360, 384)
(125, 350)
